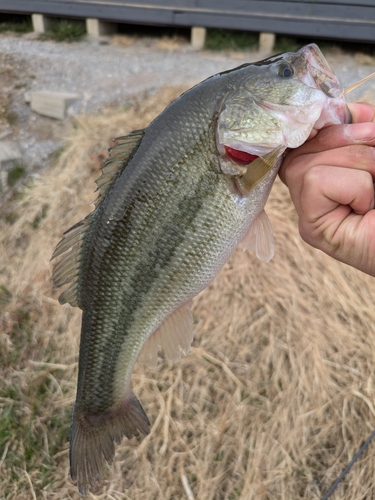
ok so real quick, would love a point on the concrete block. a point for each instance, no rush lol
(7, 131)
(52, 104)
(3, 180)
(41, 23)
(9, 155)
(198, 37)
(96, 28)
(266, 42)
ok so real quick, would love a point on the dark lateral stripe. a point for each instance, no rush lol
(145, 274)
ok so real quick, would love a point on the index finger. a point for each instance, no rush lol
(334, 137)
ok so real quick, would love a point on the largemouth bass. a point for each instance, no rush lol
(175, 200)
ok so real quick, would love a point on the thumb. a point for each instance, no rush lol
(361, 112)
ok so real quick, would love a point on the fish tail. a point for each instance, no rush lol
(93, 438)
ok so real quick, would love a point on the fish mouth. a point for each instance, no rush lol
(318, 74)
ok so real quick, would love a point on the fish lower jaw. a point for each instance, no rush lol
(335, 113)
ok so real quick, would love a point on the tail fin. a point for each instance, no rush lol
(93, 438)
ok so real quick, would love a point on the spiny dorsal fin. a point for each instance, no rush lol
(119, 157)
(68, 268)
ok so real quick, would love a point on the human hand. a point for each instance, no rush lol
(331, 182)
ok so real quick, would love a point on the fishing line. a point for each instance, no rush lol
(349, 466)
(355, 85)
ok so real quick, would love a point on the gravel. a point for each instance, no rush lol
(109, 73)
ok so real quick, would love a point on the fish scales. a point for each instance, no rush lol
(143, 266)
(167, 219)
(146, 235)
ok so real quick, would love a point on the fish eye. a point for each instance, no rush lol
(285, 70)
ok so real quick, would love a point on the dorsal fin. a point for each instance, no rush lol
(67, 269)
(119, 157)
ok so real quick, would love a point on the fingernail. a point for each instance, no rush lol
(360, 131)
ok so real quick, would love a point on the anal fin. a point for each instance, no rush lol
(174, 336)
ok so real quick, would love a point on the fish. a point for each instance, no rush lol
(174, 201)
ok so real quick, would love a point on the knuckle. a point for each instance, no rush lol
(292, 165)
(313, 177)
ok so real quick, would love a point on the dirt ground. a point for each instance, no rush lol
(277, 392)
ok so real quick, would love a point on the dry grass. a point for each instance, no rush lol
(273, 400)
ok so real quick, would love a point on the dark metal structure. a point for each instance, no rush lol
(340, 19)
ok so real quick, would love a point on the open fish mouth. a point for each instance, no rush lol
(289, 97)
(319, 75)
(318, 68)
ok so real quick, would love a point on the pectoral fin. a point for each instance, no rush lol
(259, 238)
(174, 336)
(257, 171)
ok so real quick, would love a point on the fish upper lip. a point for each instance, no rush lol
(319, 68)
